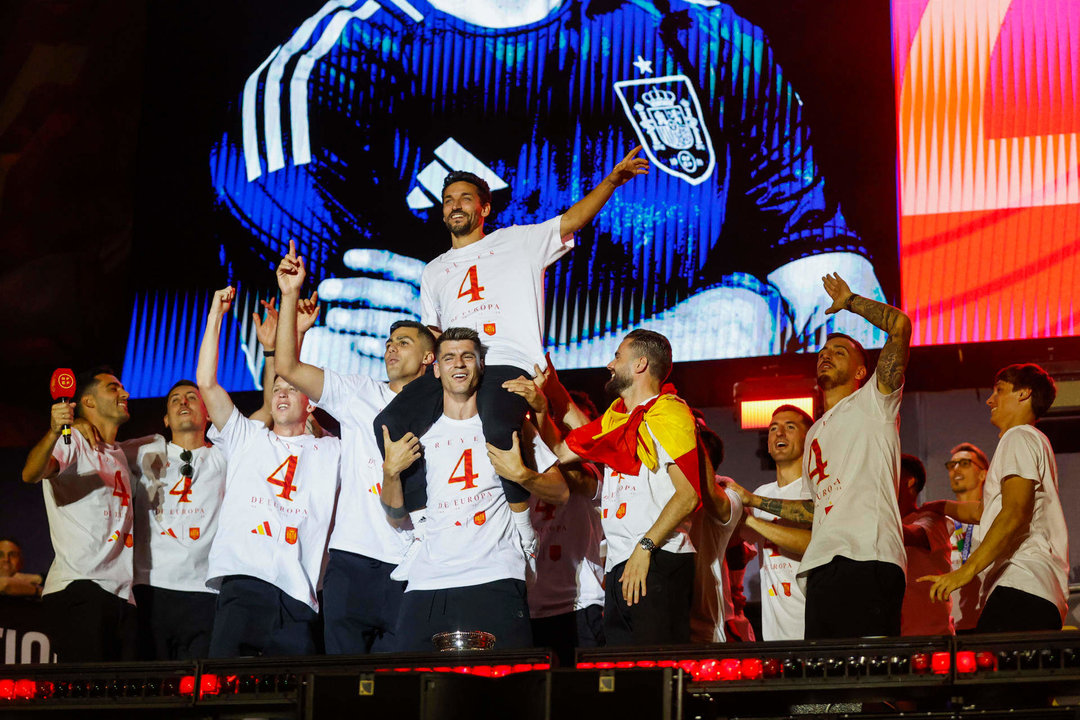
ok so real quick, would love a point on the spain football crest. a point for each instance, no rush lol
(489, 328)
(668, 120)
(621, 512)
(291, 535)
(480, 518)
(193, 533)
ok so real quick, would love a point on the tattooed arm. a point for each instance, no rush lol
(894, 355)
(801, 511)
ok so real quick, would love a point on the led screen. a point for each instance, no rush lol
(335, 126)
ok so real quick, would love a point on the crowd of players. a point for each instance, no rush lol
(472, 491)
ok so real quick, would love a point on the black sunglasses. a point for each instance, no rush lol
(186, 470)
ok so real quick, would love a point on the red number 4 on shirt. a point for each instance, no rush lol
(283, 477)
(119, 490)
(474, 288)
(467, 476)
(817, 471)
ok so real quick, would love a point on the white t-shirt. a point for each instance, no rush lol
(361, 526)
(177, 520)
(783, 604)
(630, 504)
(569, 569)
(1040, 565)
(851, 465)
(966, 602)
(920, 615)
(469, 536)
(88, 503)
(712, 594)
(279, 500)
(496, 287)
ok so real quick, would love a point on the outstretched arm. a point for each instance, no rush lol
(790, 540)
(266, 332)
(800, 511)
(585, 209)
(217, 400)
(894, 355)
(1014, 520)
(308, 379)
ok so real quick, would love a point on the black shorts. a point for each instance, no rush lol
(569, 631)
(499, 607)
(848, 598)
(254, 618)
(1011, 610)
(662, 616)
(173, 624)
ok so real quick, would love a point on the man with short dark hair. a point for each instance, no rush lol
(468, 571)
(178, 488)
(13, 581)
(966, 466)
(648, 443)
(87, 491)
(360, 598)
(926, 540)
(853, 567)
(1022, 543)
(493, 283)
(781, 542)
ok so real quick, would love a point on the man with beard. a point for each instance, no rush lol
(648, 442)
(279, 498)
(87, 492)
(494, 284)
(853, 567)
(967, 466)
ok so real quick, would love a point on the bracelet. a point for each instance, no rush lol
(268, 353)
(847, 303)
(393, 512)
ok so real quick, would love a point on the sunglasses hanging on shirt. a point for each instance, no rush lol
(186, 470)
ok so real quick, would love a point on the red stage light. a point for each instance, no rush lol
(605, 665)
(44, 690)
(730, 669)
(770, 668)
(646, 663)
(500, 671)
(24, 689)
(7, 689)
(941, 663)
(666, 663)
(187, 685)
(688, 666)
(752, 668)
(986, 660)
(965, 661)
(586, 666)
(920, 663)
(209, 685)
(707, 670)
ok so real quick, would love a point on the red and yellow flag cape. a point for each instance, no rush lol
(621, 440)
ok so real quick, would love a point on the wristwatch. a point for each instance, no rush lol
(648, 545)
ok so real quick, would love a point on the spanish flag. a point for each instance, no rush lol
(621, 440)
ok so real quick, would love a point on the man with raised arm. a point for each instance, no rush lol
(1022, 544)
(781, 543)
(469, 570)
(493, 283)
(279, 499)
(853, 567)
(87, 493)
(360, 599)
(648, 442)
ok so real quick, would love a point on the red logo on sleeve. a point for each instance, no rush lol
(193, 533)
(290, 535)
(621, 512)
(480, 518)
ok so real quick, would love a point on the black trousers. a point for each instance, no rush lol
(90, 624)
(360, 604)
(1011, 610)
(499, 607)
(254, 617)
(419, 405)
(662, 616)
(569, 631)
(173, 624)
(847, 598)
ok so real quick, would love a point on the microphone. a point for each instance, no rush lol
(62, 387)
